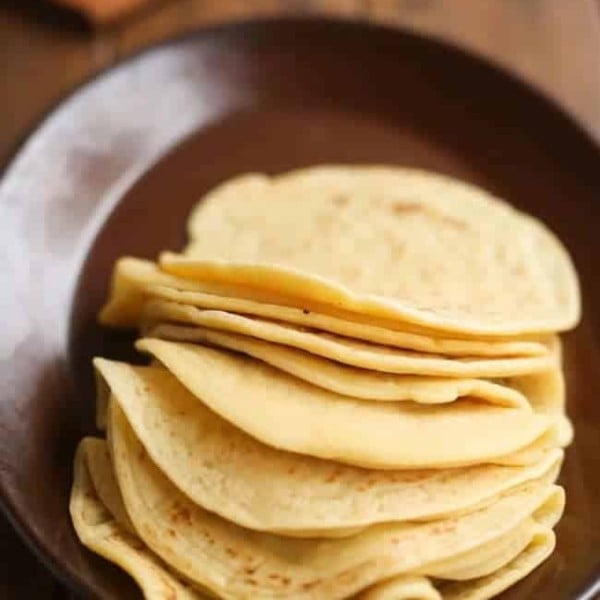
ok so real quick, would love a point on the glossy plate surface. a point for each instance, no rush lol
(117, 166)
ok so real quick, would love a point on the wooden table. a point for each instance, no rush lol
(45, 52)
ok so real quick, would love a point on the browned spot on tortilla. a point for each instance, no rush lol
(250, 581)
(371, 482)
(172, 532)
(231, 552)
(404, 208)
(136, 544)
(340, 200)
(182, 515)
(444, 527)
(333, 475)
(306, 311)
(250, 570)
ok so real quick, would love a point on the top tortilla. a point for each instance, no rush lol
(401, 244)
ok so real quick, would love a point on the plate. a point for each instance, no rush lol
(117, 166)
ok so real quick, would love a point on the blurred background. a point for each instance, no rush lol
(48, 48)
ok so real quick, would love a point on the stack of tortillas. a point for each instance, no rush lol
(355, 391)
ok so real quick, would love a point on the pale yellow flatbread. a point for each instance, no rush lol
(398, 243)
(104, 534)
(545, 390)
(487, 558)
(230, 473)
(540, 548)
(290, 414)
(355, 390)
(420, 588)
(506, 562)
(103, 479)
(346, 350)
(95, 528)
(352, 329)
(102, 399)
(403, 587)
(135, 280)
(236, 562)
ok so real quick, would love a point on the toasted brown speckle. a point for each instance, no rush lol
(444, 527)
(404, 208)
(137, 544)
(332, 476)
(182, 516)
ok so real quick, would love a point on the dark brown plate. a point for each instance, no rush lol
(116, 167)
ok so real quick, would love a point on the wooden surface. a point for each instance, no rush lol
(45, 52)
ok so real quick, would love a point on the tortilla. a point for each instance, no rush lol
(487, 558)
(103, 533)
(290, 414)
(389, 242)
(347, 350)
(540, 548)
(230, 473)
(130, 278)
(373, 405)
(134, 281)
(543, 390)
(351, 328)
(103, 480)
(236, 562)
(96, 529)
(405, 588)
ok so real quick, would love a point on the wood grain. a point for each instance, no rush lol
(45, 53)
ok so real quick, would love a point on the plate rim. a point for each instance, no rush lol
(62, 570)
